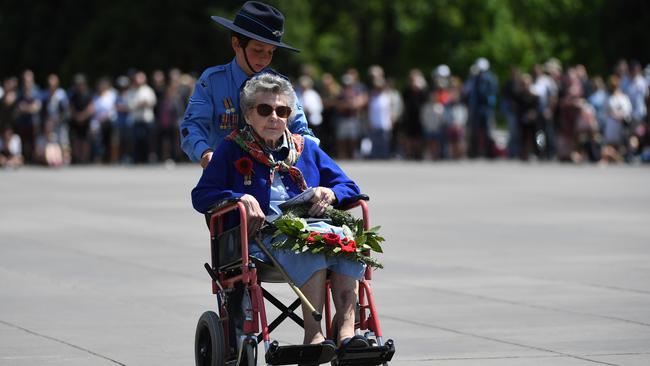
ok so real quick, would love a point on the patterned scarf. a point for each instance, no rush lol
(248, 141)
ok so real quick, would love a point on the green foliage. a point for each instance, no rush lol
(99, 38)
(293, 233)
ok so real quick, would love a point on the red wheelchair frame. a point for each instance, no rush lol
(255, 325)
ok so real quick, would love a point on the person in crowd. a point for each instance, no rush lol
(638, 93)
(311, 103)
(213, 109)
(142, 100)
(9, 103)
(55, 115)
(396, 113)
(170, 109)
(10, 149)
(380, 123)
(432, 118)
(588, 142)
(28, 120)
(103, 121)
(481, 94)
(352, 103)
(456, 119)
(414, 95)
(330, 90)
(569, 108)
(81, 112)
(49, 150)
(123, 141)
(546, 89)
(295, 163)
(528, 115)
(618, 112)
(598, 100)
(509, 110)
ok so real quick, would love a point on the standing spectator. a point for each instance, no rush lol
(622, 71)
(598, 100)
(9, 103)
(528, 115)
(379, 119)
(432, 118)
(618, 112)
(159, 86)
(637, 91)
(312, 104)
(81, 112)
(396, 112)
(547, 92)
(352, 101)
(170, 110)
(456, 119)
(142, 100)
(330, 92)
(588, 134)
(28, 118)
(481, 92)
(414, 96)
(569, 108)
(104, 120)
(509, 110)
(123, 141)
(55, 113)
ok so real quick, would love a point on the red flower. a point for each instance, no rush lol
(312, 237)
(244, 165)
(331, 239)
(348, 245)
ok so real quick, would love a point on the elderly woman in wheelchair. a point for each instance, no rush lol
(263, 165)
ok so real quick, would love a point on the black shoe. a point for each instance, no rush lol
(356, 342)
(328, 351)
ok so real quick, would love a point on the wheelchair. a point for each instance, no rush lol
(230, 336)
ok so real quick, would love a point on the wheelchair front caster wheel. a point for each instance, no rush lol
(209, 341)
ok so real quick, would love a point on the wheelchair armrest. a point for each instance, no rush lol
(354, 201)
(221, 204)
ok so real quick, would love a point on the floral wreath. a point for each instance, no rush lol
(356, 244)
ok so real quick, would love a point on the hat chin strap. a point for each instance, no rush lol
(247, 62)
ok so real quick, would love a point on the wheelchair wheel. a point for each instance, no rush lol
(209, 341)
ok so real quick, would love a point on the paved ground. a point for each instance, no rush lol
(486, 264)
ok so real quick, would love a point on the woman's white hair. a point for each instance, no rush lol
(266, 83)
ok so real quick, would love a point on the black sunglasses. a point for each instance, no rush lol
(265, 110)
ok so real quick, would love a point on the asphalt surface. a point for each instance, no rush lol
(486, 264)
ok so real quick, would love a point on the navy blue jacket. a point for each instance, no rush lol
(221, 180)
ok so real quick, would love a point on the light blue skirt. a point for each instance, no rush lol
(301, 266)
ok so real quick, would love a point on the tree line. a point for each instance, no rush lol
(109, 37)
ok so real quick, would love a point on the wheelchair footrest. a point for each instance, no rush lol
(304, 354)
(369, 356)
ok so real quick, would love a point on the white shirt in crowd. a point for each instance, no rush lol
(141, 102)
(379, 111)
(313, 105)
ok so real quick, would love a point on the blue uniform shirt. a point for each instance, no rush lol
(213, 110)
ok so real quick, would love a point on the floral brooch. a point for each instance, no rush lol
(245, 166)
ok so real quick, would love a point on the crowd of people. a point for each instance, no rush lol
(550, 113)
(123, 120)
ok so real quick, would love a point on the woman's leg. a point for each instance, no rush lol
(314, 290)
(344, 295)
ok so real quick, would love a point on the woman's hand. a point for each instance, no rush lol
(323, 197)
(254, 213)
